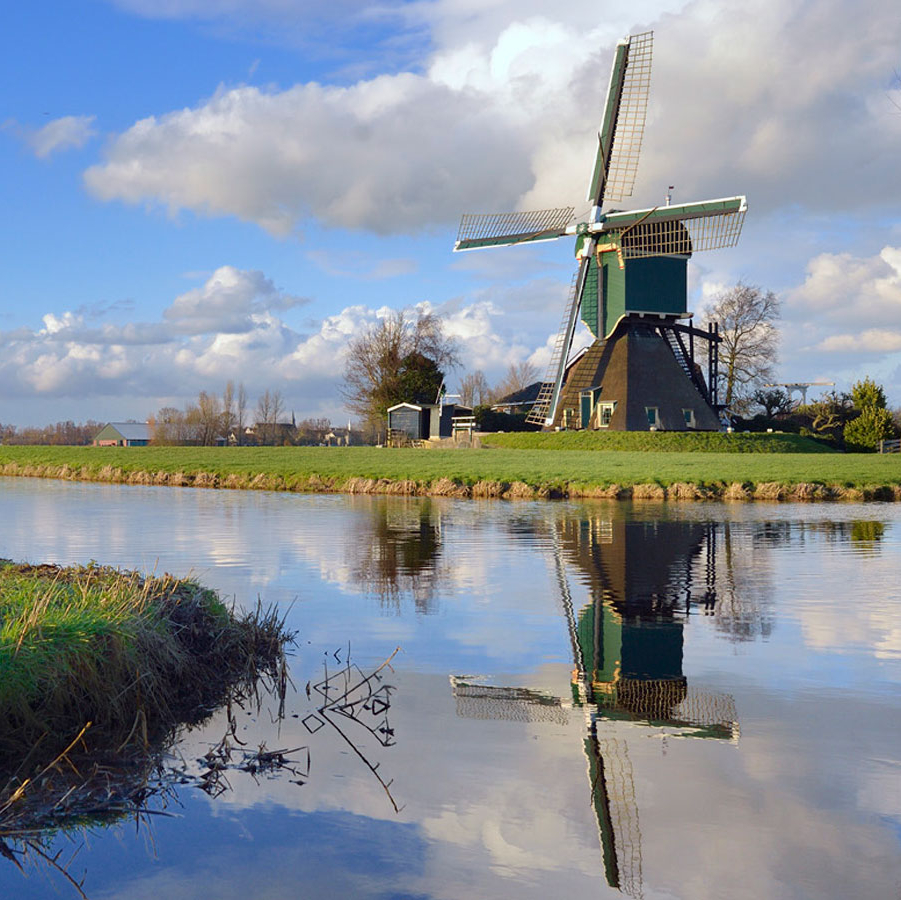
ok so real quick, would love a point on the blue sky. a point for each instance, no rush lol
(200, 191)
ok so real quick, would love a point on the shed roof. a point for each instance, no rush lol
(419, 406)
(529, 394)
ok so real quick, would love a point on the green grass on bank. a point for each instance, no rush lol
(311, 468)
(660, 441)
(132, 655)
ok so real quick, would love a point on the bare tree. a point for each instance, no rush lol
(167, 426)
(227, 417)
(209, 415)
(519, 376)
(270, 407)
(241, 412)
(748, 352)
(474, 390)
(192, 428)
(278, 410)
(400, 359)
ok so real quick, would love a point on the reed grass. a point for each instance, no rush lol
(100, 670)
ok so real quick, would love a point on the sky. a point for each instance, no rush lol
(198, 191)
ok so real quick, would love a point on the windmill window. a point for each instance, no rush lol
(689, 415)
(653, 417)
(605, 414)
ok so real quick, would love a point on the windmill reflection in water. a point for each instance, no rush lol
(627, 662)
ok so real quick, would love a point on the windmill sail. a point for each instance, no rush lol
(679, 230)
(501, 229)
(622, 128)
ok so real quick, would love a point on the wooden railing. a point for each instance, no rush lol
(890, 446)
(465, 424)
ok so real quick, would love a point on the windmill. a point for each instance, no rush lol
(631, 285)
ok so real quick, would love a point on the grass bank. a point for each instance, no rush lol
(658, 442)
(100, 671)
(491, 472)
(134, 656)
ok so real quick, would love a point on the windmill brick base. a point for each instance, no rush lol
(634, 381)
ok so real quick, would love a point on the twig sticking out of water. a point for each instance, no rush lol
(362, 697)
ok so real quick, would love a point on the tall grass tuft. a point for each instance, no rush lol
(131, 654)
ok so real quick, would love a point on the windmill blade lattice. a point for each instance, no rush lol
(500, 229)
(630, 120)
(680, 230)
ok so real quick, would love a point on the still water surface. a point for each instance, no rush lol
(591, 699)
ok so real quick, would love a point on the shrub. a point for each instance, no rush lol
(867, 393)
(868, 429)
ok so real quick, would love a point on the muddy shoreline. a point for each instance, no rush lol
(446, 487)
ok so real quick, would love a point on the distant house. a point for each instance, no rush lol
(123, 434)
(273, 433)
(521, 402)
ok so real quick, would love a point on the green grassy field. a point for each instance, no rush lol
(553, 472)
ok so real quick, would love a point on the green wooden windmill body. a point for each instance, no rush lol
(657, 285)
(631, 287)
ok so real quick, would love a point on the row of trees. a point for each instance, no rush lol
(212, 419)
(68, 432)
(204, 421)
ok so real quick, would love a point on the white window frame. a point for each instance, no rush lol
(603, 406)
(655, 423)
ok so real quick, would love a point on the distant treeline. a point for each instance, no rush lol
(213, 420)
(71, 433)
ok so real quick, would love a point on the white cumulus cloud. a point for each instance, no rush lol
(231, 327)
(230, 301)
(741, 100)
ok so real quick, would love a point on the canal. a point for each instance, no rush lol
(590, 699)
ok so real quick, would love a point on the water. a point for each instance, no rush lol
(608, 700)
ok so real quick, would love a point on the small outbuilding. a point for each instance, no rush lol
(123, 434)
(424, 421)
